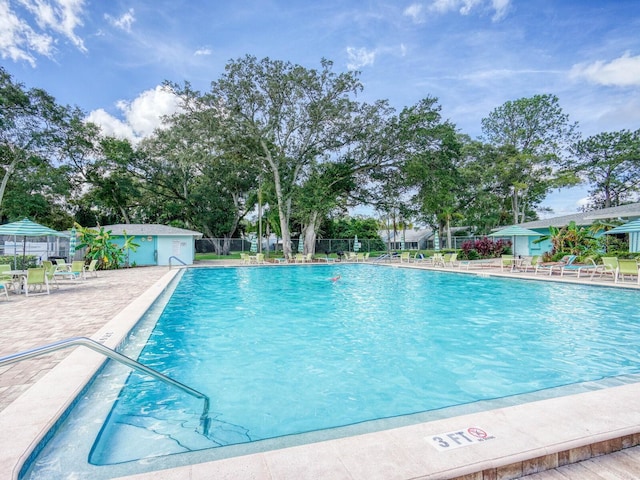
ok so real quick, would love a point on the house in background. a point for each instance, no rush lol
(526, 245)
(157, 243)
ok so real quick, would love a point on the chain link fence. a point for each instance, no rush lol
(324, 245)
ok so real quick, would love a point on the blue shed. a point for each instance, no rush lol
(158, 243)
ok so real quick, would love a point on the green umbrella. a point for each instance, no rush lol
(515, 231)
(72, 244)
(436, 241)
(254, 244)
(402, 244)
(633, 229)
(26, 228)
(300, 245)
(356, 244)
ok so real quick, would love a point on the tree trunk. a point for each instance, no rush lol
(310, 232)
(8, 171)
(282, 207)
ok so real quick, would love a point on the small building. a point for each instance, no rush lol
(157, 243)
(527, 245)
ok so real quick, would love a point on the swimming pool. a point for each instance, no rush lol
(400, 341)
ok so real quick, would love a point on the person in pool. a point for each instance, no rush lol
(336, 278)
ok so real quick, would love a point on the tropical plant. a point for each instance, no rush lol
(571, 239)
(100, 246)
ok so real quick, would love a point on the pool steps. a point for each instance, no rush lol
(118, 357)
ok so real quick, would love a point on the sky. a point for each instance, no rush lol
(110, 58)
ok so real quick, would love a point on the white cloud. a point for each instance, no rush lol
(465, 7)
(203, 52)
(501, 8)
(110, 125)
(415, 12)
(620, 72)
(360, 57)
(18, 40)
(60, 16)
(140, 117)
(124, 21)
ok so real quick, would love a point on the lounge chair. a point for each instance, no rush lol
(435, 260)
(450, 259)
(507, 261)
(77, 269)
(61, 265)
(627, 267)
(551, 266)
(299, 258)
(6, 280)
(50, 272)
(587, 266)
(528, 263)
(260, 258)
(609, 267)
(36, 278)
(92, 268)
(405, 257)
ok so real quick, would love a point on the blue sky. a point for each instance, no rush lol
(110, 57)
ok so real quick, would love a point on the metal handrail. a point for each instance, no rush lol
(176, 258)
(118, 357)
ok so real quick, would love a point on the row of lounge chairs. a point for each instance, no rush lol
(259, 258)
(41, 279)
(618, 269)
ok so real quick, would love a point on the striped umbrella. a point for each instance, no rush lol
(633, 229)
(26, 228)
(436, 241)
(300, 245)
(72, 244)
(402, 244)
(254, 244)
(356, 244)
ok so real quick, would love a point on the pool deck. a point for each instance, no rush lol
(544, 435)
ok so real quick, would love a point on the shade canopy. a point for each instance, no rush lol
(356, 244)
(515, 231)
(27, 228)
(254, 244)
(629, 227)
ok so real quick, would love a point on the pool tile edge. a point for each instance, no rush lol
(529, 438)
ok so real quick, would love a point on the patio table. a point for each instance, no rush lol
(19, 277)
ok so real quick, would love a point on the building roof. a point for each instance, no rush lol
(142, 229)
(625, 212)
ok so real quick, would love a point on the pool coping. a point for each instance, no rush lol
(557, 428)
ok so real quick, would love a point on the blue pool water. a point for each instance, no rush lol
(285, 351)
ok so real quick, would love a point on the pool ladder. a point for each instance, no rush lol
(118, 357)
